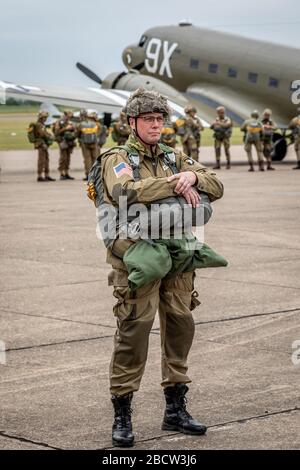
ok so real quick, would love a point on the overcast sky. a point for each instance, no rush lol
(40, 41)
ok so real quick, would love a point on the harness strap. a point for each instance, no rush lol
(134, 158)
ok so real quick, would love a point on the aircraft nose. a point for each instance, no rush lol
(132, 56)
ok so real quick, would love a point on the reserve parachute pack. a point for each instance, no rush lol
(102, 135)
(119, 130)
(107, 214)
(267, 133)
(221, 133)
(31, 133)
(89, 132)
(254, 131)
(180, 127)
(168, 132)
(68, 135)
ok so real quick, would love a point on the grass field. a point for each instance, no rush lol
(30, 109)
(14, 121)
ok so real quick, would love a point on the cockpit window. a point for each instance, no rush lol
(142, 40)
(252, 77)
(213, 68)
(273, 82)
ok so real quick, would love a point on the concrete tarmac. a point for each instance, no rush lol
(57, 325)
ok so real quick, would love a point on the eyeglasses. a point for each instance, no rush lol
(152, 119)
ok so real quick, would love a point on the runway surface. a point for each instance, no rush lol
(57, 325)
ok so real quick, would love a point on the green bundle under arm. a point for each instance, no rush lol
(148, 260)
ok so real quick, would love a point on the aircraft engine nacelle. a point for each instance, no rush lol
(130, 81)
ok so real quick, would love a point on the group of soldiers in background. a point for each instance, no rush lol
(189, 130)
(92, 134)
(259, 134)
(89, 132)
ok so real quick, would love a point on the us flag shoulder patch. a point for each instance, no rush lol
(122, 169)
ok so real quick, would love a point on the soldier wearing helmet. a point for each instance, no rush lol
(253, 129)
(222, 127)
(191, 136)
(295, 128)
(168, 134)
(43, 138)
(269, 127)
(101, 130)
(139, 173)
(82, 113)
(88, 131)
(121, 130)
(65, 135)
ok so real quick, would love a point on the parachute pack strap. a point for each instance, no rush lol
(134, 160)
(169, 158)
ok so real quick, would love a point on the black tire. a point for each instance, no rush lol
(280, 147)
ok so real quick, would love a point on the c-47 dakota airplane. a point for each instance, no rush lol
(191, 64)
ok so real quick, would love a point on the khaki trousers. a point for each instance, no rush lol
(64, 160)
(90, 153)
(259, 150)
(43, 161)
(135, 314)
(218, 145)
(190, 148)
(267, 149)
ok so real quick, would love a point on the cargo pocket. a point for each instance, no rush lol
(180, 293)
(125, 307)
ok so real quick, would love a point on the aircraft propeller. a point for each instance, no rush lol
(89, 73)
(93, 76)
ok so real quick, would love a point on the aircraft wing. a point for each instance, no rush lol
(207, 97)
(108, 101)
(100, 99)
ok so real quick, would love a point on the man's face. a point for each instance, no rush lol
(149, 127)
(266, 116)
(221, 114)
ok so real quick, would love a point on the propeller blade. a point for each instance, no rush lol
(89, 73)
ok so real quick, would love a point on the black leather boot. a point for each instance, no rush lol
(122, 429)
(217, 166)
(297, 167)
(176, 417)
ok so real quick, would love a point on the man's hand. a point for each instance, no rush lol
(192, 197)
(186, 180)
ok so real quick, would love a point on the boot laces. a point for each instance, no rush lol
(125, 413)
(183, 404)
